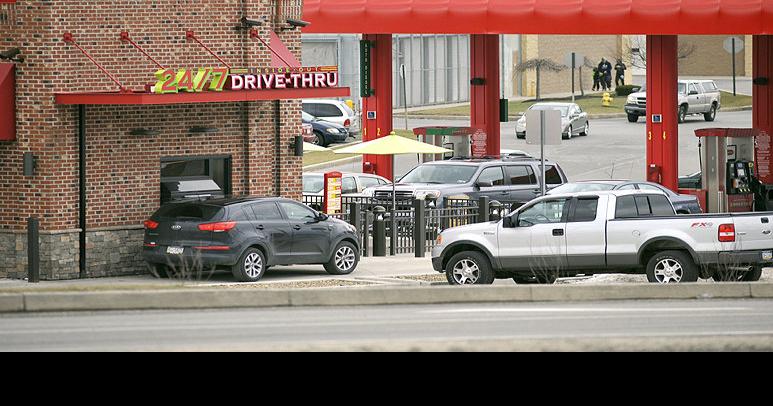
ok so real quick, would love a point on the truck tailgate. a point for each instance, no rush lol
(754, 231)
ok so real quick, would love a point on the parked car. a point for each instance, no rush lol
(333, 111)
(573, 120)
(606, 232)
(516, 181)
(246, 236)
(694, 181)
(353, 183)
(696, 97)
(684, 204)
(324, 133)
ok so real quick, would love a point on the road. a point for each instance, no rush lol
(615, 148)
(633, 325)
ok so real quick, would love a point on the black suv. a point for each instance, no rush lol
(515, 180)
(247, 236)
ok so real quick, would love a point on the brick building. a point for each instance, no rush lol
(245, 146)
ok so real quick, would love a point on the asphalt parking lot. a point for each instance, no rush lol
(615, 148)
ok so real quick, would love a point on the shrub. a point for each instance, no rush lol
(623, 91)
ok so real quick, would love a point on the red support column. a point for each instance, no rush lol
(763, 104)
(380, 103)
(485, 95)
(662, 101)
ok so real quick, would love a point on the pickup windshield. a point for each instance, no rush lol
(441, 174)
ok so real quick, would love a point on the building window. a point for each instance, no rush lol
(186, 178)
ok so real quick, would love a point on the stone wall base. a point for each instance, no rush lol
(108, 253)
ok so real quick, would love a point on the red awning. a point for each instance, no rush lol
(203, 97)
(574, 17)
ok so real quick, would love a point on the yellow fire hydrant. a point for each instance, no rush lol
(607, 100)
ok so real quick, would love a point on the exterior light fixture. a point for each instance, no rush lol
(293, 24)
(12, 55)
(144, 132)
(203, 130)
(247, 23)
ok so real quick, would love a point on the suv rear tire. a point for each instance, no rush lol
(251, 266)
(469, 268)
(344, 261)
(672, 267)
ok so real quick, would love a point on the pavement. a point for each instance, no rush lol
(615, 148)
(658, 325)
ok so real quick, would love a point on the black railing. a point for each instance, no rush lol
(416, 223)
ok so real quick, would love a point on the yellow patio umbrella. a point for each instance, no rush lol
(392, 144)
(309, 147)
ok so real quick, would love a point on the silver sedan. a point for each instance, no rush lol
(573, 119)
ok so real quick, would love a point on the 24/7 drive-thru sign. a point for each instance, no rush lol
(220, 79)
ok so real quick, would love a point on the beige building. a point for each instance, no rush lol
(699, 56)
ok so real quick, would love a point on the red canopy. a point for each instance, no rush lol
(576, 17)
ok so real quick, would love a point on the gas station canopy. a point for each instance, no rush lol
(575, 17)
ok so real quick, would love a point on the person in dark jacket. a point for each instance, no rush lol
(596, 79)
(605, 68)
(620, 69)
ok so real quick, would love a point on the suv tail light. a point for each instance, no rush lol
(151, 225)
(222, 227)
(727, 233)
(348, 123)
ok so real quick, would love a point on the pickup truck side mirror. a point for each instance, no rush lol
(694, 93)
(484, 184)
(322, 217)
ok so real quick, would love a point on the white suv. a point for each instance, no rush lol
(334, 111)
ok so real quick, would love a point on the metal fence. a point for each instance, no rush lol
(415, 225)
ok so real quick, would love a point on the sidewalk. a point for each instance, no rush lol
(403, 269)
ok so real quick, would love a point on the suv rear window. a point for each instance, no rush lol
(189, 211)
(553, 176)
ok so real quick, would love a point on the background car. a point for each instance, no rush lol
(246, 236)
(353, 185)
(701, 97)
(573, 120)
(684, 204)
(333, 111)
(324, 133)
(514, 181)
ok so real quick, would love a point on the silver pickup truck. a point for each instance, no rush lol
(630, 232)
(701, 97)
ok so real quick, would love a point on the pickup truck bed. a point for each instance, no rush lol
(607, 233)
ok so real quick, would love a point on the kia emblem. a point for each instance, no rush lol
(177, 227)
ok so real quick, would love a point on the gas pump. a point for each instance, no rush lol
(729, 170)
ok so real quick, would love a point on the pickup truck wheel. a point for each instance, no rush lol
(469, 268)
(672, 267)
(711, 115)
(633, 118)
(682, 114)
(753, 275)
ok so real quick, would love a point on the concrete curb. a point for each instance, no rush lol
(247, 298)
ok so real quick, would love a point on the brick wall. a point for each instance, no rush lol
(123, 171)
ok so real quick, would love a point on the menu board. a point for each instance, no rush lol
(479, 144)
(333, 193)
(764, 173)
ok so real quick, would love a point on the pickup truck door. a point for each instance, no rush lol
(695, 101)
(538, 242)
(586, 234)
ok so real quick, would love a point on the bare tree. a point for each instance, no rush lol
(635, 53)
(539, 65)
